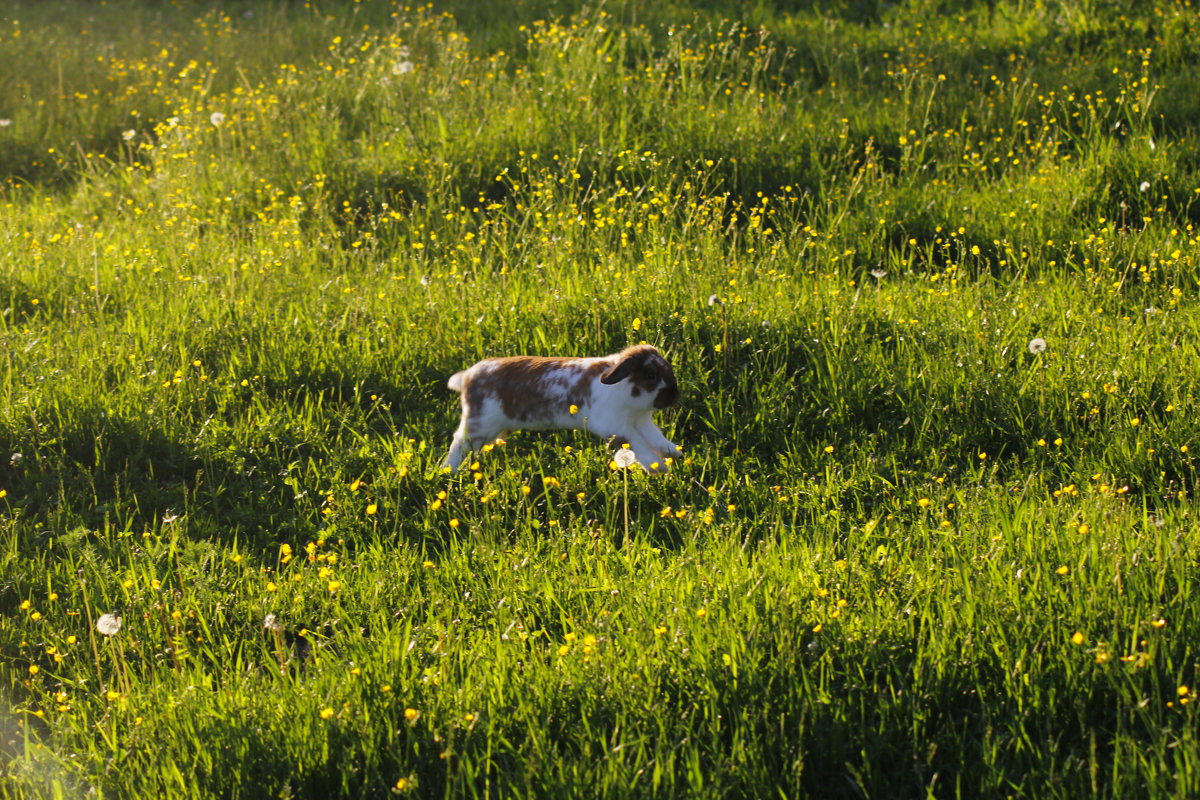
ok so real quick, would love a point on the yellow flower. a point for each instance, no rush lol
(574, 409)
(1077, 638)
(372, 508)
(1063, 570)
(335, 586)
(326, 712)
(454, 523)
(637, 323)
(411, 715)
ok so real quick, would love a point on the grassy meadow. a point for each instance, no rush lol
(929, 276)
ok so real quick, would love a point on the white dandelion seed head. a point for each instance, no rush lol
(713, 300)
(4, 123)
(625, 458)
(15, 459)
(403, 67)
(216, 118)
(1037, 345)
(272, 623)
(128, 135)
(109, 624)
(879, 274)
(1144, 186)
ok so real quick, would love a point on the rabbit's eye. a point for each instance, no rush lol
(651, 374)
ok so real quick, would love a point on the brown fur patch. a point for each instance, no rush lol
(524, 384)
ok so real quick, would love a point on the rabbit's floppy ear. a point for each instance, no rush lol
(621, 371)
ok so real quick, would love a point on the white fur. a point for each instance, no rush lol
(610, 411)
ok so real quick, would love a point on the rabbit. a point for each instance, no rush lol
(613, 397)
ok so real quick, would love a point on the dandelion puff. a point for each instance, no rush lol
(879, 274)
(128, 135)
(1144, 186)
(1037, 346)
(16, 459)
(109, 624)
(713, 300)
(216, 118)
(624, 458)
(403, 68)
(272, 623)
(4, 123)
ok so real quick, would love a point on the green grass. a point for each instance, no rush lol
(904, 555)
